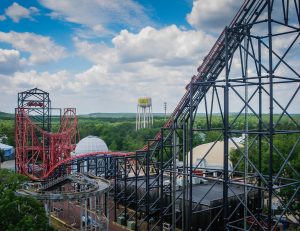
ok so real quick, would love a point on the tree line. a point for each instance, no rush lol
(19, 213)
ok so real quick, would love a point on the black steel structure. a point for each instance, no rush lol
(241, 79)
(37, 104)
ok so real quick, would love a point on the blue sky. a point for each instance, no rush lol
(100, 55)
(159, 14)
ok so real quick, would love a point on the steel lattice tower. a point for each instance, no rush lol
(241, 79)
(37, 104)
(38, 149)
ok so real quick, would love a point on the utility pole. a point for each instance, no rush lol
(165, 109)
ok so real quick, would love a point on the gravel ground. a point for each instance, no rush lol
(10, 164)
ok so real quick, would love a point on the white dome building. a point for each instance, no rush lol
(90, 144)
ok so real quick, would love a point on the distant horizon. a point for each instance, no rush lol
(154, 113)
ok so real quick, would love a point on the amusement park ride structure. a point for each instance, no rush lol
(37, 148)
(253, 59)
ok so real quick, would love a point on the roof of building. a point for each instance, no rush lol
(213, 154)
(203, 194)
(90, 144)
(207, 193)
(5, 147)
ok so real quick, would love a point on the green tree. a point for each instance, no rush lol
(19, 213)
(7, 128)
(285, 146)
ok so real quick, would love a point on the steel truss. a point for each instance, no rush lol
(240, 80)
(37, 147)
(108, 165)
(37, 104)
(76, 198)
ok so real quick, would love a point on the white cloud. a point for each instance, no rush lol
(54, 83)
(98, 15)
(119, 91)
(10, 61)
(16, 12)
(95, 52)
(126, 70)
(212, 15)
(154, 62)
(42, 49)
(168, 46)
(2, 17)
(43, 80)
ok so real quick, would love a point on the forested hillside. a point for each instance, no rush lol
(120, 135)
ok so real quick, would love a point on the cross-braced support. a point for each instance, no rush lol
(37, 148)
(241, 91)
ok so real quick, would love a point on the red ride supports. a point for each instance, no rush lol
(38, 150)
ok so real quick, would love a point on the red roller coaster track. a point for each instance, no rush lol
(38, 150)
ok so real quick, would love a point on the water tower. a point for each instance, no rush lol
(144, 117)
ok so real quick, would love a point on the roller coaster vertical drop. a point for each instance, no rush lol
(243, 77)
(37, 147)
(35, 104)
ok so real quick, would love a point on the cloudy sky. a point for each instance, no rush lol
(100, 55)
